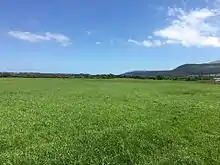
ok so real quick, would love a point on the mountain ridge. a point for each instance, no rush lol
(215, 62)
(182, 70)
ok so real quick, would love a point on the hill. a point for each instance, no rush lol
(215, 62)
(183, 70)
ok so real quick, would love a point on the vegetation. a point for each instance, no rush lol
(188, 72)
(106, 76)
(80, 121)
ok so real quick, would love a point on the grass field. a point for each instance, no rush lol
(67, 121)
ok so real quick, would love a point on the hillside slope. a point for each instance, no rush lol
(183, 70)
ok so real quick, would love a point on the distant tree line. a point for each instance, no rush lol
(102, 76)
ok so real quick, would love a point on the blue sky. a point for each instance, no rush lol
(107, 36)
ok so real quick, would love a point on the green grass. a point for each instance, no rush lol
(67, 121)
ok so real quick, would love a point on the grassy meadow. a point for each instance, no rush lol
(78, 121)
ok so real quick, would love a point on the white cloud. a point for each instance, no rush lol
(88, 33)
(193, 28)
(31, 37)
(147, 43)
(198, 27)
(135, 42)
(98, 43)
(154, 43)
(28, 36)
(63, 40)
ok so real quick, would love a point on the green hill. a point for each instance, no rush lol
(183, 70)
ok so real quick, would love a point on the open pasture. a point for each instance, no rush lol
(78, 121)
